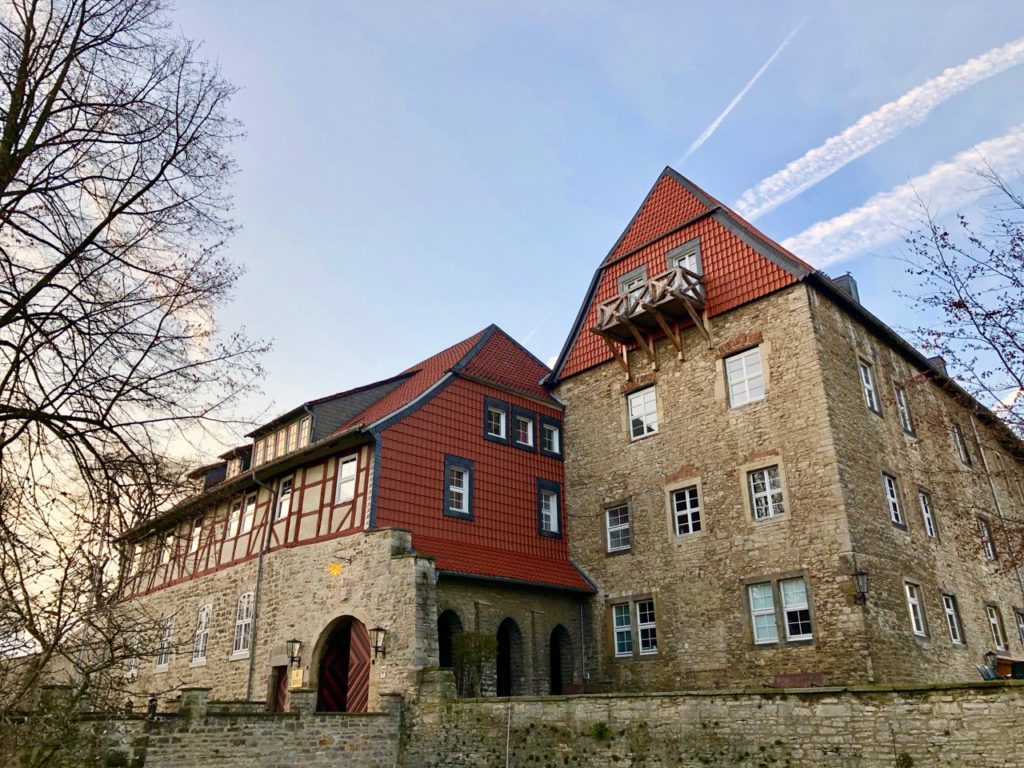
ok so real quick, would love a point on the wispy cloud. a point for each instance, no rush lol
(889, 120)
(739, 96)
(887, 215)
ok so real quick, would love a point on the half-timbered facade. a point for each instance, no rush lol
(769, 486)
(413, 508)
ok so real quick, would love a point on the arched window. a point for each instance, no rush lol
(243, 625)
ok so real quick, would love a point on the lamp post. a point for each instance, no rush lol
(294, 649)
(860, 582)
(378, 637)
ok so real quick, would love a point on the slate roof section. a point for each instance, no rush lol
(485, 562)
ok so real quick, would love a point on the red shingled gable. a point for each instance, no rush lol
(489, 562)
(423, 375)
(734, 272)
(503, 360)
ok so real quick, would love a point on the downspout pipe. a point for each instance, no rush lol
(259, 583)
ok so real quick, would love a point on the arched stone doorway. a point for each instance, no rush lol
(448, 626)
(510, 659)
(560, 660)
(343, 680)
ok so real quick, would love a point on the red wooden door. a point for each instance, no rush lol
(358, 669)
(345, 669)
(280, 680)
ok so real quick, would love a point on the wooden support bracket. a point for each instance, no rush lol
(646, 344)
(673, 331)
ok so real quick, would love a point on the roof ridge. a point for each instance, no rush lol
(485, 336)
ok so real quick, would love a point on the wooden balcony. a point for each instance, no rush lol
(661, 304)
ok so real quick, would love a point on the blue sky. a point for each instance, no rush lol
(415, 171)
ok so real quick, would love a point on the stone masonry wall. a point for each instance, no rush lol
(868, 727)
(952, 562)
(702, 613)
(371, 576)
(536, 613)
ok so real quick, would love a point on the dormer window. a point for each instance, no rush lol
(304, 429)
(234, 467)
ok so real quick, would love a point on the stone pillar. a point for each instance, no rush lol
(303, 701)
(194, 703)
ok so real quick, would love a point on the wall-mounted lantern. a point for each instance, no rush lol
(990, 659)
(294, 648)
(860, 583)
(378, 637)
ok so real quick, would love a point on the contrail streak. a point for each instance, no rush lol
(873, 129)
(739, 96)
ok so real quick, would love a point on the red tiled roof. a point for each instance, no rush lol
(733, 255)
(486, 562)
(503, 360)
(423, 374)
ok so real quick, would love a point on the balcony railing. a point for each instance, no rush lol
(658, 304)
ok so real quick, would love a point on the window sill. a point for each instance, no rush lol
(240, 656)
(618, 552)
(898, 526)
(682, 538)
(640, 439)
(747, 404)
(770, 520)
(161, 668)
(197, 663)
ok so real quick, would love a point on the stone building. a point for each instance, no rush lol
(767, 484)
(373, 526)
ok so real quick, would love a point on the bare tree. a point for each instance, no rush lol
(971, 287)
(114, 207)
(972, 283)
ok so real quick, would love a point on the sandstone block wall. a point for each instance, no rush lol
(696, 582)
(869, 727)
(371, 576)
(952, 562)
(536, 613)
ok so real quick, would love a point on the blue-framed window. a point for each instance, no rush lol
(458, 487)
(496, 420)
(524, 428)
(550, 437)
(549, 508)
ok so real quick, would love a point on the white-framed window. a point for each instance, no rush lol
(903, 408)
(248, 513)
(134, 647)
(345, 489)
(867, 380)
(497, 425)
(234, 467)
(1020, 624)
(950, 608)
(293, 436)
(134, 564)
(961, 444)
(988, 545)
(243, 624)
(167, 549)
(686, 510)
(926, 514)
(646, 629)
(892, 499)
(620, 537)
(523, 430)
(548, 512)
(623, 628)
(766, 497)
(744, 377)
(550, 438)
(995, 623)
(458, 488)
(195, 534)
(686, 256)
(260, 451)
(202, 637)
(915, 609)
(271, 441)
(304, 427)
(762, 613)
(642, 407)
(234, 518)
(796, 609)
(284, 498)
(163, 653)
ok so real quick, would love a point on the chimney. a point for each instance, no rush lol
(847, 285)
(939, 364)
